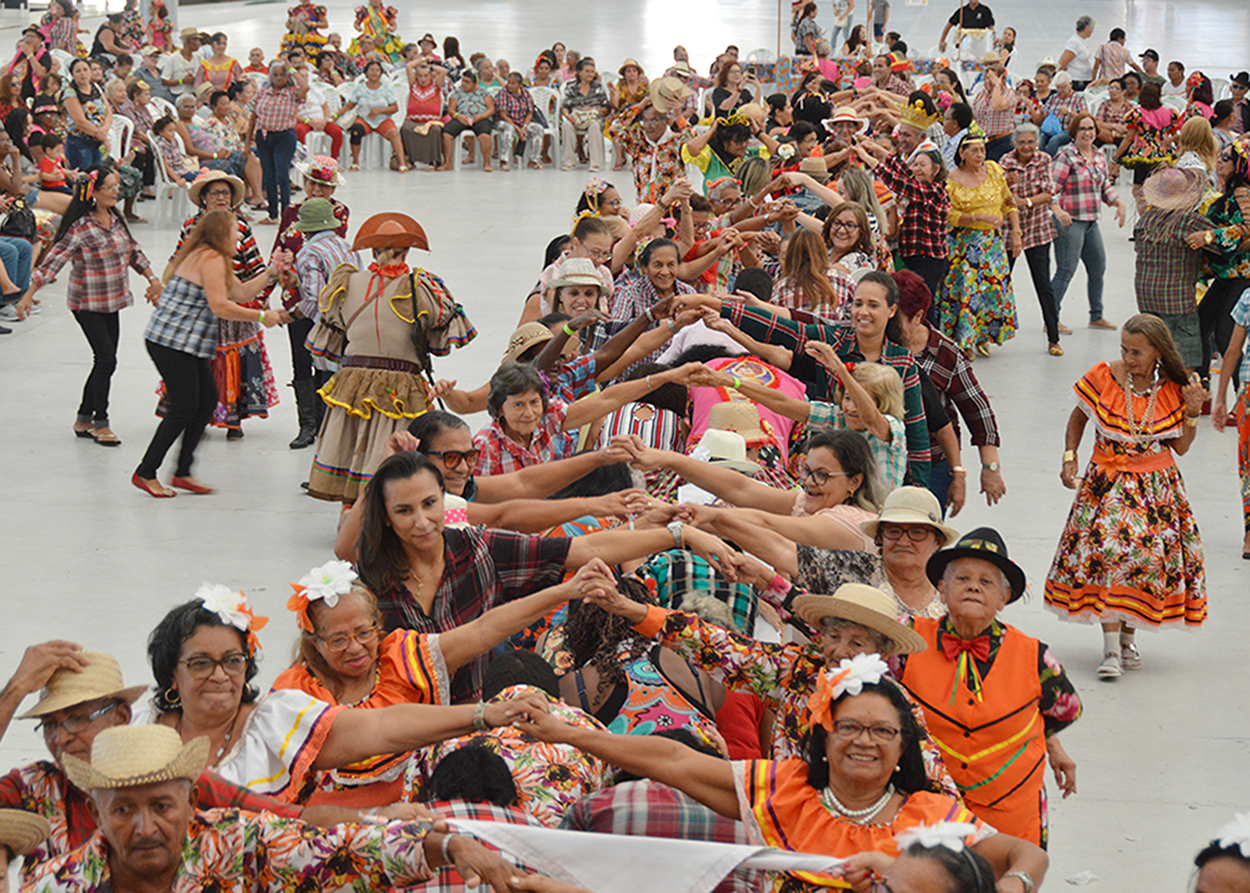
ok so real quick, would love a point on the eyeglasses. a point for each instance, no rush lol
(849, 730)
(820, 477)
(843, 225)
(343, 641)
(219, 193)
(452, 458)
(599, 254)
(203, 667)
(918, 533)
(72, 725)
(1226, 156)
(114, 188)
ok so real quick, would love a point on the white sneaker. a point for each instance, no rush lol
(8, 312)
(1130, 657)
(1110, 667)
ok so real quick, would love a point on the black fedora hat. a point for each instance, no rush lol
(1241, 79)
(984, 543)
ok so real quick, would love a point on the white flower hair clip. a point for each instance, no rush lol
(230, 605)
(952, 835)
(850, 677)
(786, 151)
(327, 583)
(1236, 834)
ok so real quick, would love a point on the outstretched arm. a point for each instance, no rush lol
(729, 485)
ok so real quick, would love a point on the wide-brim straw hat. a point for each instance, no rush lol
(100, 679)
(525, 337)
(912, 505)
(187, 33)
(316, 215)
(668, 94)
(984, 543)
(628, 62)
(727, 449)
(741, 417)
(391, 230)
(321, 169)
(578, 271)
(237, 189)
(814, 167)
(866, 605)
(1173, 189)
(22, 831)
(126, 756)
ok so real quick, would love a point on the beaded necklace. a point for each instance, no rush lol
(1130, 391)
(860, 816)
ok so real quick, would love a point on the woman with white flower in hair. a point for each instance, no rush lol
(932, 859)
(344, 658)
(203, 656)
(860, 783)
(1224, 864)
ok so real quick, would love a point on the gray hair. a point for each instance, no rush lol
(1061, 78)
(1025, 127)
(709, 608)
(1002, 575)
(509, 380)
(1084, 22)
(718, 190)
(187, 98)
(883, 643)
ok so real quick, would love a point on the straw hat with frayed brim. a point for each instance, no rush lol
(391, 230)
(866, 605)
(126, 756)
(578, 271)
(741, 417)
(986, 544)
(815, 168)
(524, 338)
(22, 831)
(1173, 189)
(628, 62)
(912, 505)
(237, 189)
(668, 94)
(100, 679)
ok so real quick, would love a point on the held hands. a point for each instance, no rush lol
(621, 504)
(598, 587)
(152, 294)
(480, 866)
(1220, 416)
(825, 355)
(704, 377)
(521, 706)
(590, 317)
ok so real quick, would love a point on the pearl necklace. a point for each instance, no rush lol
(860, 816)
(1130, 391)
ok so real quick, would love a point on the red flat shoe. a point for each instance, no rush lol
(191, 486)
(165, 493)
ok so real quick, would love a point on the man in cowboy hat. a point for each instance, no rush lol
(1238, 86)
(178, 69)
(152, 835)
(653, 132)
(81, 694)
(1168, 261)
(996, 731)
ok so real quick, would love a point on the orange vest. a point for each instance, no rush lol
(995, 748)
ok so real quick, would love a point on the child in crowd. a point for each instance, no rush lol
(53, 174)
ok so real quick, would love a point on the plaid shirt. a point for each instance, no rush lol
(1114, 59)
(951, 374)
(575, 380)
(994, 123)
(1167, 270)
(891, 455)
(175, 156)
(43, 789)
(1064, 109)
(647, 808)
(277, 109)
(1081, 183)
(141, 115)
(450, 881)
(502, 455)
(515, 107)
(655, 165)
(182, 320)
(629, 303)
(764, 326)
(1109, 115)
(483, 568)
(922, 230)
(1037, 224)
(99, 281)
(898, 86)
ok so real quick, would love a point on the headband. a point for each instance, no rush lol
(850, 678)
(231, 608)
(325, 583)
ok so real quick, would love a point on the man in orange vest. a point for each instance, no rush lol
(994, 699)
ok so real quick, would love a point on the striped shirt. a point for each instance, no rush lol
(322, 252)
(182, 320)
(99, 281)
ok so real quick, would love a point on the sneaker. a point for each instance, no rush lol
(1110, 667)
(1130, 657)
(8, 312)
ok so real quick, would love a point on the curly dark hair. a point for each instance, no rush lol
(165, 650)
(594, 636)
(475, 774)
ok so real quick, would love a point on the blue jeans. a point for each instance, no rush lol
(232, 165)
(940, 479)
(15, 255)
(1081, 241)
(82, 152)
(840, 35)
(276, 149)
(1056, 142)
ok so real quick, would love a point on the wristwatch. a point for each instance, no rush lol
(990, 466)
(675, 528)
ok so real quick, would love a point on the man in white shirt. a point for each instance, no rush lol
(178, 69)
(1175, 85)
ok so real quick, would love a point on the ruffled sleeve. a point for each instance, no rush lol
(446, 325)
(280, 742)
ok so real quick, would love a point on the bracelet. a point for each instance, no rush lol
(1023, 878)
(672, 326)
(650, 314)
(479, 717)
(445, 848)
(1069, 456)
(737, 382)
(571, 332)
(958, 469)
(260, 317)
(1191, 421)
(650, 387)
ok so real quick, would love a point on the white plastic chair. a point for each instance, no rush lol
(1222, 88)
(1175, 102)
(164, 107)
(169, 195)
(547, 101)
(120, 135)
(318, 141)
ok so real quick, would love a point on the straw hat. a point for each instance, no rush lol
(741, 417)
(683, 68)
(1173, 189)
(814, 167)
(321, 169)
(100, 679)
(524, 338)
(668, 94)
(844, 114)
(391, 230)
(577, 271)
(22, 831)
(237, 190)
(986, 544)
(865, 605)
(628, 62)
(188, 33)
(126, 756)
(638, 212)
(726, 448)
(912, 505)
(316, 215)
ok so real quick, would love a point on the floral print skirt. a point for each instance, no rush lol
(1130, 551)
(975, 303)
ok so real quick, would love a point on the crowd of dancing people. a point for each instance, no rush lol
(700, 576)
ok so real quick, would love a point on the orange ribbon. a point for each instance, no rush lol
(1113, 464)
(299, 604)
(821, 702)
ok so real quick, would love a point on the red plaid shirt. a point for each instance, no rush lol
(514, 107)
(994, 123)
(1036, 223)
(951, 374)
(922, 230)
(1082, 184)
(99, 281)
(450, 881)
(503, 455)
(276, 109)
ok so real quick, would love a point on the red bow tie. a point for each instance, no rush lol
(953, 647)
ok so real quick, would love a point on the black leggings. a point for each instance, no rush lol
(103, 330)
(1215, 316)
(1038, 258)
(301, 359)
(190, 398)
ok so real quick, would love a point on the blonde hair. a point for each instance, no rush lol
(1196, 137)
(883, 383)
(215, 231)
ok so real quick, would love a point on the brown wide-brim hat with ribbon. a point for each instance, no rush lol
(986, 544)
(865, 605)
(237, 189)
(627, 63)
(127, 756)
(22, 831)
(99, 680)
(525, 337)
(1173, 189)
(668, 94)
(391, 230)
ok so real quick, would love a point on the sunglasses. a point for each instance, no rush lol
(452, 458)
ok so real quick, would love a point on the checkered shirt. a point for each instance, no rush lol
(450, 881)
(182, 320)
(503, 455)
(1114, 59)
(277, 109)
(922, 230)
(98, 281)
(951, 375)
(1037, 224)
(994, 123)
(1083, 185)
(515, 107)
(1064, 109)
(1167, 271)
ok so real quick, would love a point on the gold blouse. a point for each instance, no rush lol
(991, 197)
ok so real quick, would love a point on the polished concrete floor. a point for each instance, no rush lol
(1162, 754)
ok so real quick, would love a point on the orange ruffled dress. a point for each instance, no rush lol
(1130, 550)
